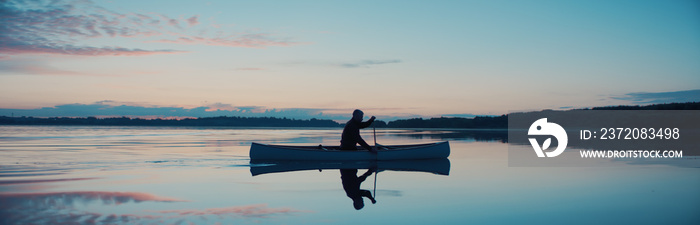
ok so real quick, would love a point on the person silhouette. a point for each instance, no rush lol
(351, 133)
(351, 185)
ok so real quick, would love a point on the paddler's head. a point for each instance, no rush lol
(357, 115)
(358, 202)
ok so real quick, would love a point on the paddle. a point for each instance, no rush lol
(375, 185)
(374, 131)
(376, 147)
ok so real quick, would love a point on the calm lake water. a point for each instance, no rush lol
(147, 175)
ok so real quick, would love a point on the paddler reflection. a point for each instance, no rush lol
(351, 185)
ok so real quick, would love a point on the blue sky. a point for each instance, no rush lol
(325, 58)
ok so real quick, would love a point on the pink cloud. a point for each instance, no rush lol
(193, 21)
(246, 40)
(250, 68)
(173, 22)
(83, 51)
(37, 67)
(220, 106)
(56, 27)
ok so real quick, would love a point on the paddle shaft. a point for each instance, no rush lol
(375, 185)
(374, 131)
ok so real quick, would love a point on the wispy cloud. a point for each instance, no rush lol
(244, 40)
(368, 63)
(193, 21)
(57, 27)
(220, 106)
(37, 67)
(250, 68)
(660, 97)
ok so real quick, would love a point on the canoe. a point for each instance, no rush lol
(434, 166)
(436, 150)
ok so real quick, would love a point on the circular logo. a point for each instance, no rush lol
(542, 127)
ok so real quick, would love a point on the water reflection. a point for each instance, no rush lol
(434, 166)
(83, 207)
(487, 135)
(350, 180)
(63, 207)
(351, 185)
(215, 186)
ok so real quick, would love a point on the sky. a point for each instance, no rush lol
(323, 59)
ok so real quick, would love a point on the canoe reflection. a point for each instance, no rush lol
(349, 169)
(435, 166)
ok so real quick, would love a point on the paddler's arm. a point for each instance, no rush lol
(365, 175)
(364, 144)
(367, 123)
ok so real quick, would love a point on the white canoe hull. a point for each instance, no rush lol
(314, 153)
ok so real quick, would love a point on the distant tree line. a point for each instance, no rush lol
(478, 122)
(667, 106)
(206, 121)
(485, 122)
